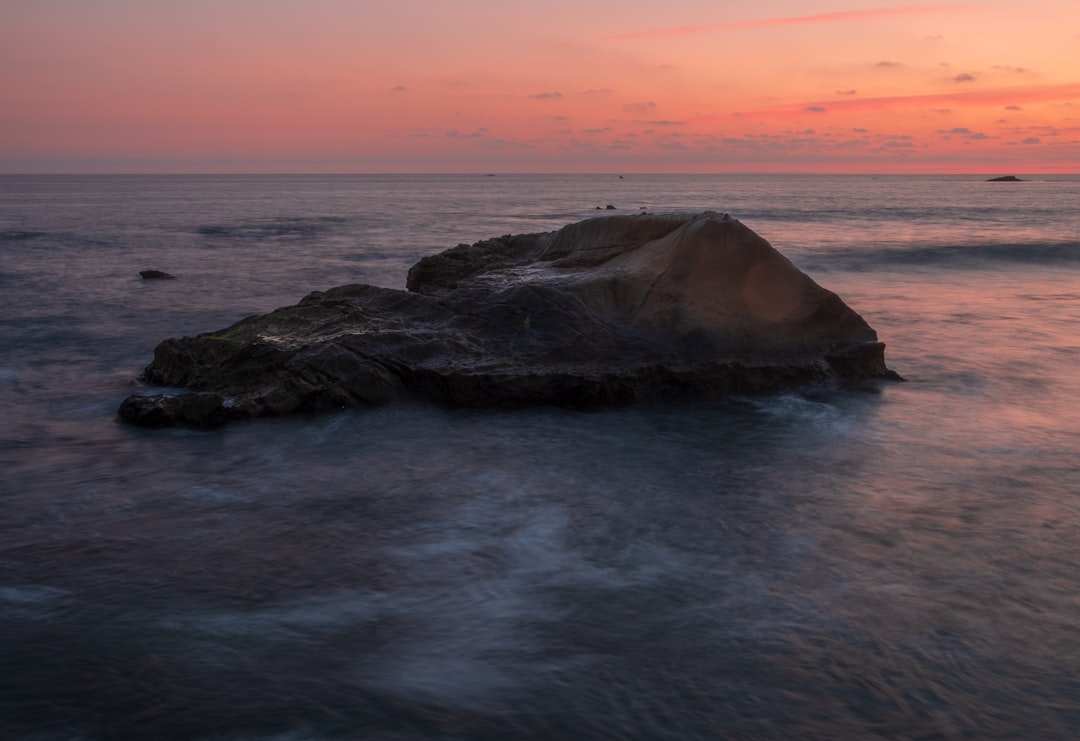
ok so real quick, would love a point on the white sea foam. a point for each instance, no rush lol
(283, 620)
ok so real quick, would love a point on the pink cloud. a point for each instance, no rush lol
(988, 96)
(836, 16)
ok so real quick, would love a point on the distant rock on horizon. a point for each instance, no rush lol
(1005, 179)
(613, 309)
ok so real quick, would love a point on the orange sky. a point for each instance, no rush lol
(557, 86)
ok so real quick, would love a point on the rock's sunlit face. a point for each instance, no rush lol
(334, 86)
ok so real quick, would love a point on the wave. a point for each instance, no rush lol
(949, 213)
(37, 240)
(275, 229)
(1061, 254)
(18, 235)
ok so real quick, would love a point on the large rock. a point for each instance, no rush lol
(607, 310)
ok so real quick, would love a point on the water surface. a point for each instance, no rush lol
(878, 561)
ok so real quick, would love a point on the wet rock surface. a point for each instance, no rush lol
(613, 309)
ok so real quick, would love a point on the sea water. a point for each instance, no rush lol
(893, 560)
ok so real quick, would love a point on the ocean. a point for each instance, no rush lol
(891, 560)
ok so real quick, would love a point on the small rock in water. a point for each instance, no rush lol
(156, 275)
(1005, 179)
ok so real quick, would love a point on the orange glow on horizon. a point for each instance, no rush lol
(326, 86)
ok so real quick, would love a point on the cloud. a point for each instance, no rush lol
(1015, 70)
(964, 132)
(666, 122)
(834, 17)
(553, 95)
(1013, 108)
(639, 107)
(985, 96)
(847, 92)
(455, 134)
(1032, 140)
(803, 143)
(398, 89)
(429, 133)
(886, 64)
(815, 109)
(964, 77)
(598, 91)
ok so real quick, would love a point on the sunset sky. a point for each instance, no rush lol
(990, 86)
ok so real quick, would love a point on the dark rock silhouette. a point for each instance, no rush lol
(612, 309)
(1005, 179)
(183, 410)
(156, 275)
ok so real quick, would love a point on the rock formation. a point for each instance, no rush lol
(1005, 179)
(608, 310)
(156, 275)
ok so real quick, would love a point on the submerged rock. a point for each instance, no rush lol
(608, 310)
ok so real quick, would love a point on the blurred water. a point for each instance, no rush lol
(886, 561)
